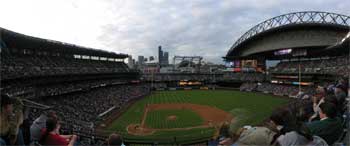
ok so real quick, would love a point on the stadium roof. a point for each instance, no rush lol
(291, 21)
(343, 45)
(10, 40)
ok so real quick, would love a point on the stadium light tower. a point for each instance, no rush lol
(346, 39)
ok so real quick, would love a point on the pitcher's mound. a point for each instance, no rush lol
(171, 118)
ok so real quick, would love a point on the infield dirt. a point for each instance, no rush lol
(211, 117)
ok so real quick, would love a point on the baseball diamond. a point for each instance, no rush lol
(197, 113)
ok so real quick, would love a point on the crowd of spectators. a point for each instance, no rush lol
(276, 89)
(158, 85)
(316, 118)
(284, 90)
(41, 65)
(248, 87)
(80, 111)
(58, 89)
(245, 77)
(336, 66)
(252, 77)
(63, 88)
(179, 76)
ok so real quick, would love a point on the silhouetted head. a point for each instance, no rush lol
(6, 104)
(328, 109)
(115, 140)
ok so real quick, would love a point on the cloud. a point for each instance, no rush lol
(137, 27)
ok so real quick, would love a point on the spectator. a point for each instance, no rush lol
(304, 110)
(51, 136)
(343, 84)
(317, 100)
(332, 99)
(290, 131)
(300, 137)
(11, 117)
(280, 122)
(39, 124)
(329, 127)
(224, 131)
(256, 136)
(115, 140)
(340, 93)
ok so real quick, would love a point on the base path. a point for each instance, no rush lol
(211, 117)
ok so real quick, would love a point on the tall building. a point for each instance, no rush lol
(141, 60)
(151, 58)
(163, 57)
(166, 58)
(160, 55)
(130, 62)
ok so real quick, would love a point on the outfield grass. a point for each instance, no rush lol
(257, 107)
(184, 118)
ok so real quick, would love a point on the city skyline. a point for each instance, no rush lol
(205, 28)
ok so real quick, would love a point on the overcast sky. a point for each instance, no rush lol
(183, 27)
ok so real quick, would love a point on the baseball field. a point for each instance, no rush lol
(190, 116)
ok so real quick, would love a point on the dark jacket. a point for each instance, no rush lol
(329, 129)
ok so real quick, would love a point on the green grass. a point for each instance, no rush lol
(256, 107)
(184, 118)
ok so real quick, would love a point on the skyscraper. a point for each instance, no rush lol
(166, 58)
(163, 57)
(160, 55)
(141, 60)
(130, 62)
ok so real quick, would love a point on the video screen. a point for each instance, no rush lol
(249, 63)
(283, 52)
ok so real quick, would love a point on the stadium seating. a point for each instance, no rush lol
(177, 77)
(245, 77)
(335, 66)
(248, 87)
(23, 66)
(83, 91)
(80, 112)
(277, 89)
